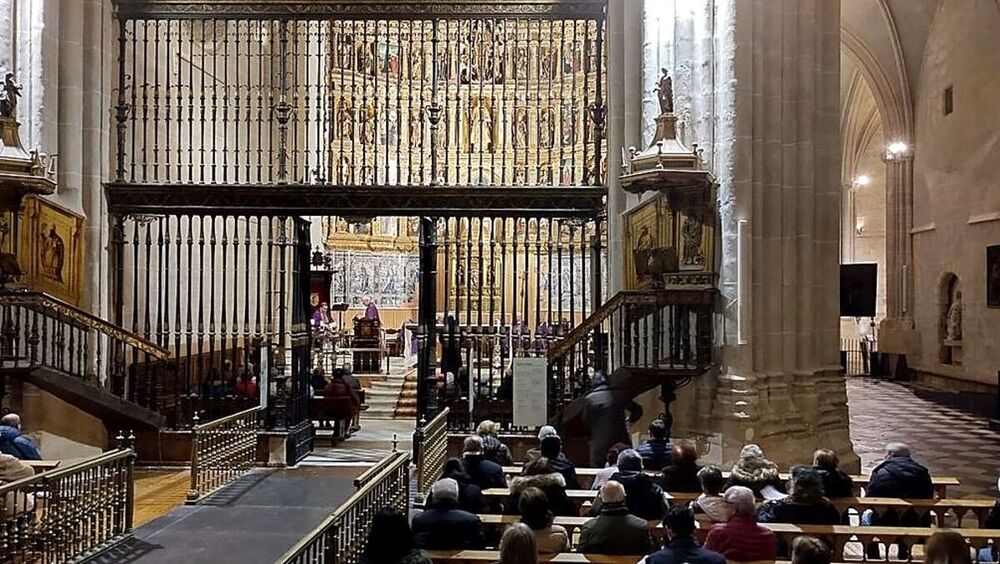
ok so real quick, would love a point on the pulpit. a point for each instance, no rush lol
(367, 346)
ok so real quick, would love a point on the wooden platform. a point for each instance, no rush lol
(157, 492)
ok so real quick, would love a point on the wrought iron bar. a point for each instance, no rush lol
(222, 451)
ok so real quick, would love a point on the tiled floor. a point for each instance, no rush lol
(949, 442)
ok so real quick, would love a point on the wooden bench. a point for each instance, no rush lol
(476, 556)
(587, 475)
(838, 535)
(40, 466)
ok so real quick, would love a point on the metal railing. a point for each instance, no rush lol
(68, 514)
(222, 451)
(431, 446)
(341, 538)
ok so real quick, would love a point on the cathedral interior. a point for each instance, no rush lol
(265, 267)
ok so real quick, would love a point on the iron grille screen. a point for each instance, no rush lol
(489, 101)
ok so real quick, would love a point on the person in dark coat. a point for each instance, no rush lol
(681, 475)
(898, 476)
(551, 448)
(615, 530)
(805, 505)
(470, 496)
(483, 473)
(318, 381)
(443, 526)
(604, 410)
(836, 482)
(390, 540)
(657, 449)
(540, 474)
(350, 378)
(338, 388)
(536, 453)
(680, 546)
(643, 495)
(15, 443)
(451, 353)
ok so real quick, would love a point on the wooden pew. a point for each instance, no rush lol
(587, 475)
(477, 556)
(40, 466)
(839, 535)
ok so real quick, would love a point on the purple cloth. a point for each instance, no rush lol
(371, 312)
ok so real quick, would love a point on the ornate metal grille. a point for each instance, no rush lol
(352, 99)
(432, 444)
(222, 451)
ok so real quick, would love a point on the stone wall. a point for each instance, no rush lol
(956, 200)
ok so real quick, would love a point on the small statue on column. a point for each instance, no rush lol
(953, 321)
(11, 92)
(665, 92)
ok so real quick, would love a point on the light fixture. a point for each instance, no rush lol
(896, 149)
(862, 180)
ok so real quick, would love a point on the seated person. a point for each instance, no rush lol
(805, 504)
(533, 453)
(810, 550)
(349, 376)
(443, 526)
(754, 471)
(15, 502)
(710, 502)
(246, 387)
(836, 482)
(318, 380)
(551, 448)
(643, 496)
(517, 545)
(615, 530)
(740, 538)
(470, 496)
(611, 466)
(680, 547)
(540, 474)
(898, 475)
(15, 443)
(483, 473)
(657, 448)
(493, 449)
(535, 513)
(390, 540)
(681, 475)
(338, 388)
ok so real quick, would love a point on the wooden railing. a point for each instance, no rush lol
(222, 451)
(40, 331)
(641, 329)
(430, 447)
(341, 538)
(68, 514)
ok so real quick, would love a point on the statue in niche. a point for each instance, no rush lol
(546, 129)
(345, 169)
(416, 122)
(342, 225)
(545, 64)
(413, 227)
(665, 92)
(482, 135)
(11, 92)
(520, 127)
(953, 320)
(368, 126)
(345, 121)
(521, 63)
(568, 135)
(346, 51)
(367, 174)
(691, 233)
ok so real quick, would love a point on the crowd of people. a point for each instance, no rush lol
(342, 384)
(229, 381)
(628, 498)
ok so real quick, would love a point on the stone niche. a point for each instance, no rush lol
(950, 325)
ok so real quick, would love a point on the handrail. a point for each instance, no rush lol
(602, 313)
(71, 513)
(376, 469)
(341, 537)
(221, 451)
(432, 445)
(45, 303)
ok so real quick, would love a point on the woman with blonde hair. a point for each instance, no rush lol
(517, 546)
(493, 449)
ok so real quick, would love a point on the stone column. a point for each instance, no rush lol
(615, 26)
(778, 162)
(93, 99)
(896, 332)
(71, 75)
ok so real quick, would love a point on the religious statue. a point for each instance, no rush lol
(520, 128)
(345, 121)
(691, 233)
(53, 255)
(546, 129)
(953, 320)
(665, 91)
(8, 96)
(643, 248)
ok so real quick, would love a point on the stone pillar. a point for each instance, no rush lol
(71, 75)
(778, 162)
(93, 99)
(616, 139)
(896, 332)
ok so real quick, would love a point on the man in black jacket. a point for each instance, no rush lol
(680, 546)
(643, 496)
(483, 473)
(898, 476)
(604, 411)
(443, 526)
(551, 448)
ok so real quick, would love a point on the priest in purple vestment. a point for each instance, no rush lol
(371, 310)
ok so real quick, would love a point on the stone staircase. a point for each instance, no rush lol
(386, 394)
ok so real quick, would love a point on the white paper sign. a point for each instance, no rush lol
(530, 393)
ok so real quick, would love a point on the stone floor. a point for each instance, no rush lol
(948, 441)
(367, 446)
